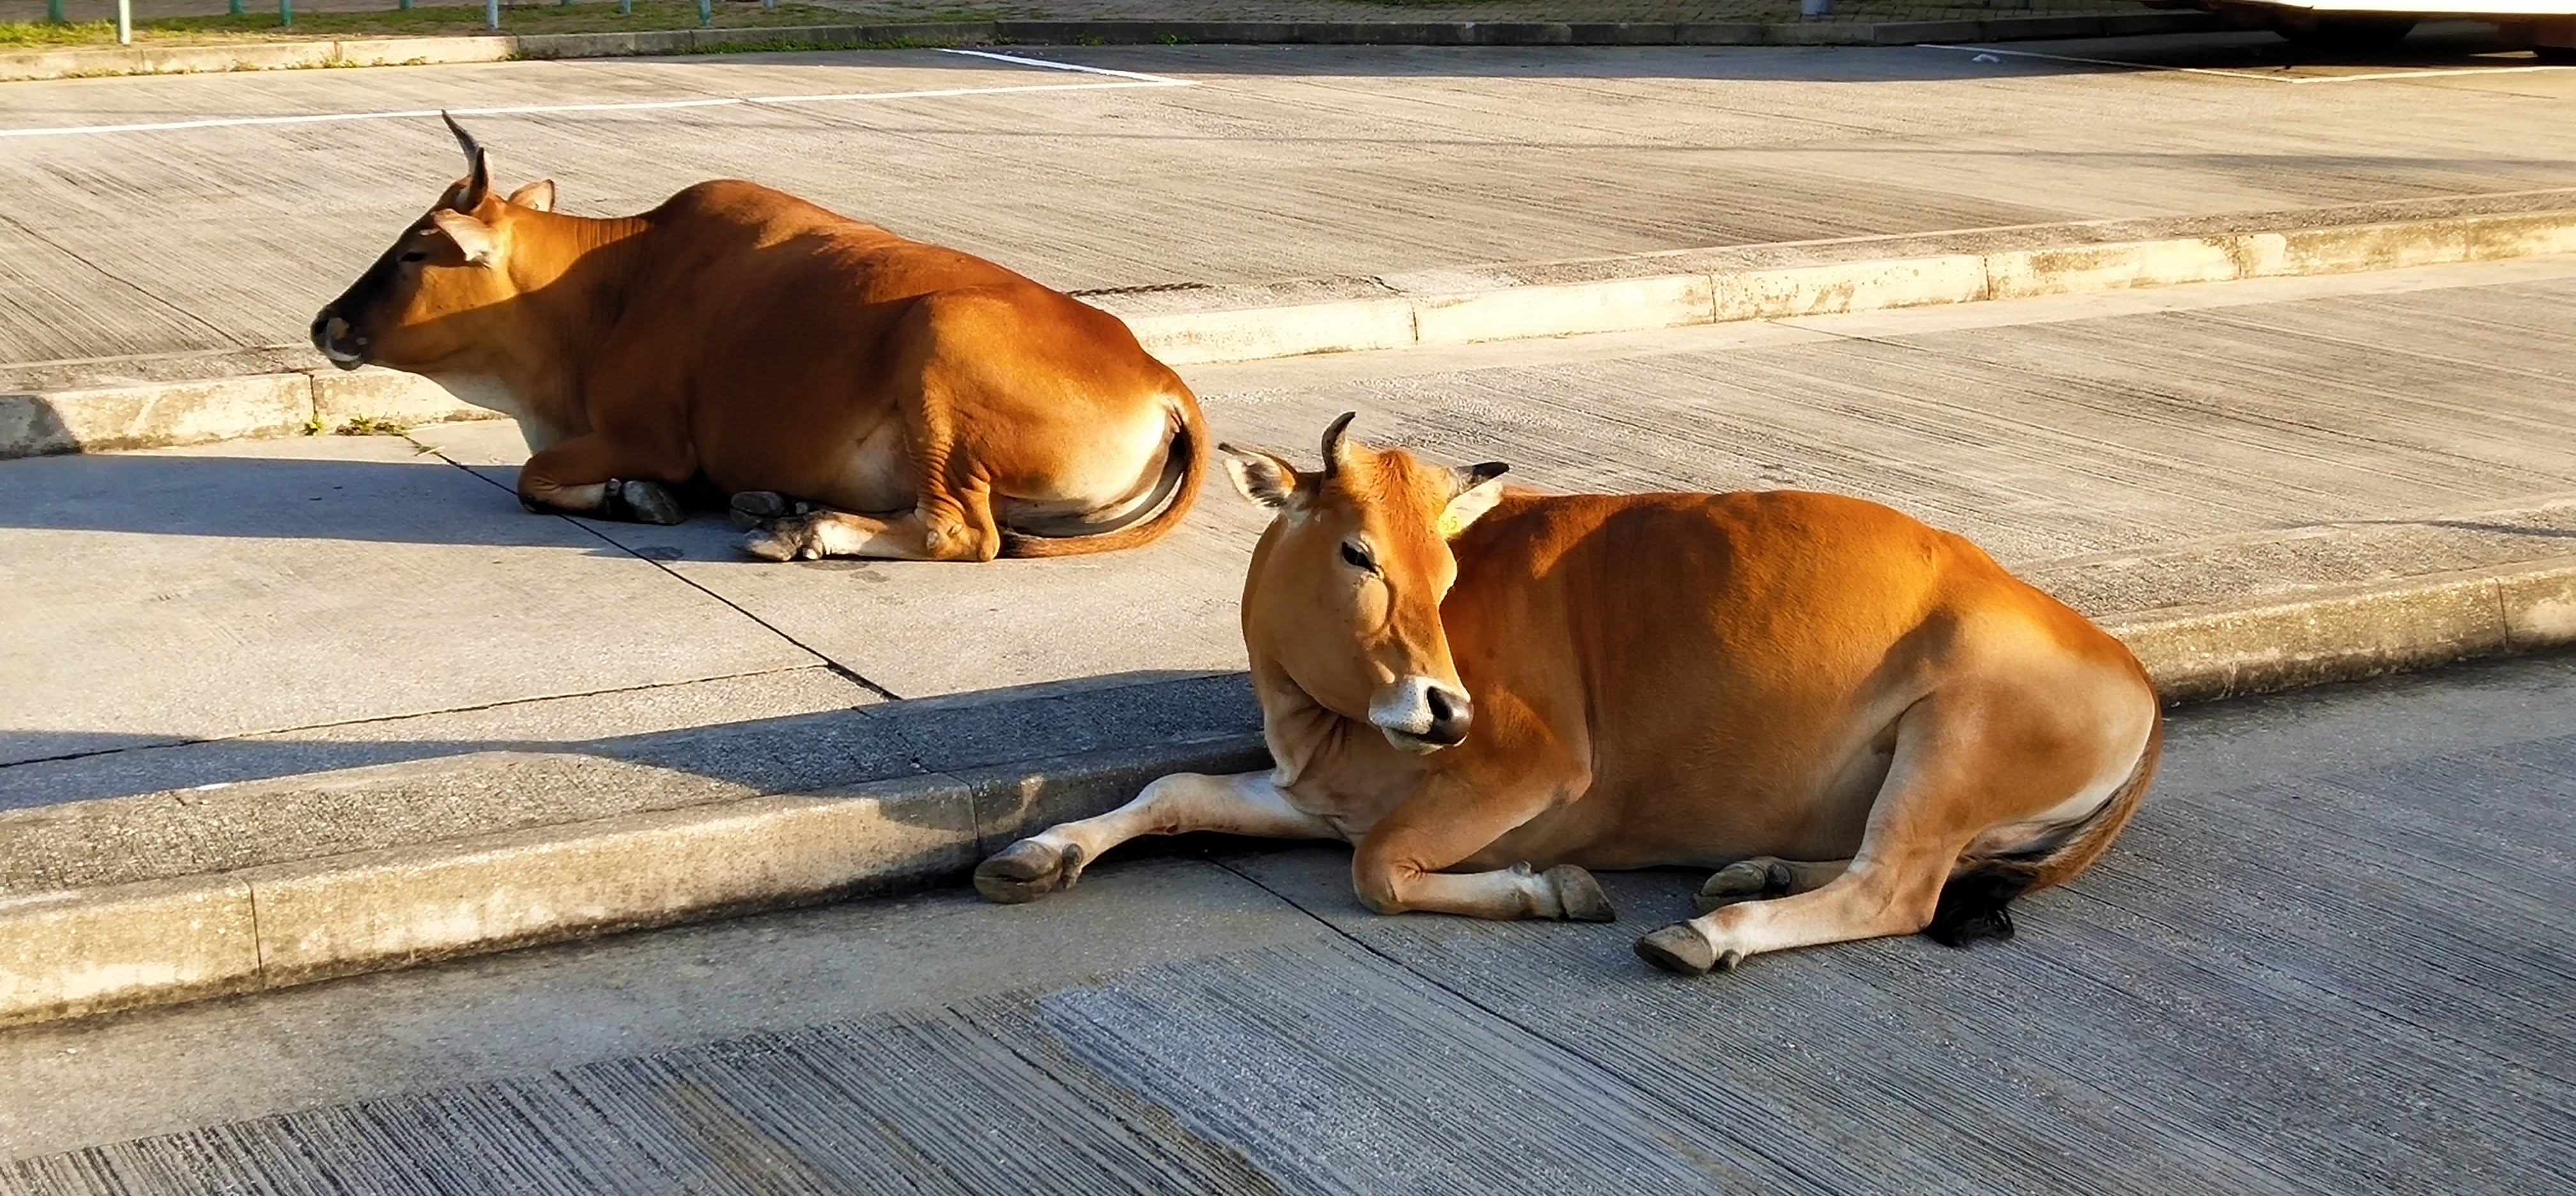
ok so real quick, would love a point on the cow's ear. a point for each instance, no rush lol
(481, 242)
(1264, 478)
(1479, 488)
(539, 195)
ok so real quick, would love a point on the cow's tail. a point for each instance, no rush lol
(1975, 903)
(1184, 472)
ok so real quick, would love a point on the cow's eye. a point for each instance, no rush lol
(416, 255)
(1357, 557)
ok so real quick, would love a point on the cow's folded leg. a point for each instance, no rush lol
(1399, 864)
(822, 534)
(751, 508)
(643, 502)
(1243, 804)
(605, 479)
(1763, 878)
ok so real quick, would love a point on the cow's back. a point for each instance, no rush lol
(776, 332)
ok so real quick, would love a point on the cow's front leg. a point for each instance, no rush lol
(930, 532)
(597, 476)
(1398, 866)
(819, 534)
(1242, 804)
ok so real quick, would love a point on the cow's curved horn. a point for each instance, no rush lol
(1473, 476)
(478, 167)
(1333, 442)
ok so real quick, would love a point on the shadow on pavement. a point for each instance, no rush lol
(792, 753)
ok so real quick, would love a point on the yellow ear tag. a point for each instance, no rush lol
(1449, 525)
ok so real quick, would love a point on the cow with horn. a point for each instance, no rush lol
(1862, 725)
(858, 394)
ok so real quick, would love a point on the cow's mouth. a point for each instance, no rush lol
(1407, 741)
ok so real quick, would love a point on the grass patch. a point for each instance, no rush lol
(593, 16)
(369, 425)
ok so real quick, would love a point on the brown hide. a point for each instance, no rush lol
(751, 339)
(1864, 724)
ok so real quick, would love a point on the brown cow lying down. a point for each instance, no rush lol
(941, 407)
(1865, 725)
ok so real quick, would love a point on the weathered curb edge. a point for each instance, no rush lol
(498, 47)
(200, 411)
(1628, 304)
(69, 954)
(1443, 308)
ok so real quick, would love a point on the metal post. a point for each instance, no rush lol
(125, 22)
(54, 11)
(1812, 9)
(492, 14)
(626, 8)
(233, 8)
(706, 13)
(286, 13)
(404, 5)
(769, 3)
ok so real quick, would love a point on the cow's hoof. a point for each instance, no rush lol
(1680, 950)
(1580, 896)
(751, 508)
(1028, 870)
(1744, 880)
(769, 544)
(793, 538)
(646, 502)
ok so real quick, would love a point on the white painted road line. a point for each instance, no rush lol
(2431, 72)
(2428, 72)
(1067, 66)
(2134, 66)
(1125, 79)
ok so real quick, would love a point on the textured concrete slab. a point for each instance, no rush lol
(1278, 162)
(272, 809)
(2254, 991)
(187, 594)
(2245, 495)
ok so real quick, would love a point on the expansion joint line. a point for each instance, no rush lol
(843, 671)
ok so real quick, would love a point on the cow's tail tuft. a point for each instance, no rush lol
(1976, 903)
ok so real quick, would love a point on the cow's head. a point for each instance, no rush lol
(416, 308)
(1346, 586)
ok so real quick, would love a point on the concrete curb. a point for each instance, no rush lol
(425, 51)
(165, 414)
(1449, 309)
(84, 951)
(1190, 324)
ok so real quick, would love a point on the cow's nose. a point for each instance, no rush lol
(1451, 712)
(332, 336)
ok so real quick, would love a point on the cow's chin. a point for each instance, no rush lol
(346, 361)
(1410, 743)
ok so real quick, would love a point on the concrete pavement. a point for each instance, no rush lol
(390, 579)
(405, 690)
(2328, 956)
(1272, 163)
